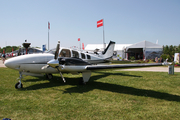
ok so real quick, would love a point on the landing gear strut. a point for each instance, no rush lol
(61, 74)
(19, 84)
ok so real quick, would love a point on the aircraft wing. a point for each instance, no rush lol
(96, 67)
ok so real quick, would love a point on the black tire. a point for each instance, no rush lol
(81, 82)
(49, 76)
(18, 85)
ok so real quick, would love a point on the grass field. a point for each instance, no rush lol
(108, 95)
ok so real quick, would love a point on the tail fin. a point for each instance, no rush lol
(108, 52)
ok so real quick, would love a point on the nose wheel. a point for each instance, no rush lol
(19, 84)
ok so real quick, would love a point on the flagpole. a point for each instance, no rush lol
(103, 36)
(80, 45)
(48, 39)
(48, 33)
(99, 24)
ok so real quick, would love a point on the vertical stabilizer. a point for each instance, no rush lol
(108, 52)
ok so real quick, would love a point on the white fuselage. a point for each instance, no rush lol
(33, 63)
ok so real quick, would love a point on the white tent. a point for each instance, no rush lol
(144, 44)
(147, 49)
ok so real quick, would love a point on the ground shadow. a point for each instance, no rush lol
(57, 81)
(94, 84)
(125, 90)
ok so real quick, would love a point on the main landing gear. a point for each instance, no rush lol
(49, 76)
(81, 81)
(19, 84)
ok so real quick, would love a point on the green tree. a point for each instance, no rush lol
(168, 52)
(8, 49)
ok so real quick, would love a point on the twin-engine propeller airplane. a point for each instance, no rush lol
(65, 60)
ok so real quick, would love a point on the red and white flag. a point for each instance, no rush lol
(100, 23)
(78, 39)
(49, 25)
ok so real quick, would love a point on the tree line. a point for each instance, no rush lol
(8, 49)
(168, 52)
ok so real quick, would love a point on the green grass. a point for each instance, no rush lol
(108, 95)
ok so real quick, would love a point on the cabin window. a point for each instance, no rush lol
(75, 54)
(65, 53)
(88, 57)
(83, 56)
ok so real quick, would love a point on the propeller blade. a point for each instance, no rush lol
(57, 50)
(61, 75)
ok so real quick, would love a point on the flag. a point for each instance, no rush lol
(83, 46)
(78, 39)
(100, 23)
(3, 51)
(49, 25)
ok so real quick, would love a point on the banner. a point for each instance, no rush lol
(12, 52)
(44, 48)
(83, 46)
(176, 57)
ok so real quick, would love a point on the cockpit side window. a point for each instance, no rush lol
(83, 56)
(65, 53)
(75, 54)
(88, 57)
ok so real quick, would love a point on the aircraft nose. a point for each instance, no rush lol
(9, 64)
(53, 63)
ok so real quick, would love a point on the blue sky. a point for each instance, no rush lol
(125, 21)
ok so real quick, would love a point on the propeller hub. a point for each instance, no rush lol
(53, 63)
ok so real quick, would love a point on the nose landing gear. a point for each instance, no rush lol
(19, 84)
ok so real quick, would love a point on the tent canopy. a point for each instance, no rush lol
(144, 44)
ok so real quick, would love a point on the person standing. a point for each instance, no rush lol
(3, 57)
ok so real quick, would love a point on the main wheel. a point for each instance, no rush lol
(18, 85)
(81, 82)
(49, 76)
